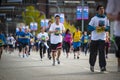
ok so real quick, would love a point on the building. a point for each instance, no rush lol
(11, 10)
(68, 7)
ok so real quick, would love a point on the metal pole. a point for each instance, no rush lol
(82, 15)
(7, 28)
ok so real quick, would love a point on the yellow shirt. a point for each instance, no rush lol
(77, 36)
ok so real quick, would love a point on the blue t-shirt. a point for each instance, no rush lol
(2, 40)
(26, 38)
(20, 36)
(85, 38)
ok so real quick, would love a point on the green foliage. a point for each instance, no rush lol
(32, 15)
(69, 26)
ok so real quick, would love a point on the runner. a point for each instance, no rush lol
(10, 42)
(36, 44)
(43, 37)
(48, 42)
(107, 44)
(67, 41)
(19, 38)
(98, 25)
(76, 42)
(26, 42)
(56, 30)
(85, 40)
(2, 42)
(113, 12)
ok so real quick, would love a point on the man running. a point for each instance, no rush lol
(56, 30)
(10, 42)
(19, 38)
(76, 42)
(43, 37)
(2, 42)
(98, 25)
(113, 13)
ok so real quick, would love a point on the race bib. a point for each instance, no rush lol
(58, 31)
(1, 42)
(85, 41)
(100, 29)
(43, 38)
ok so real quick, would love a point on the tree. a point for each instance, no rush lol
(32, 15)
(69, 26)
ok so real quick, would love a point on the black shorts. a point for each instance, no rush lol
(10, 46)
(24, 45)
(1, 46)
(55, 47)
(117, 40)
(76, 49)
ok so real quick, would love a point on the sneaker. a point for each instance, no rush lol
(77, 57)
(58, 61)
(19, 55)
(92, 68)
(53, 63)
(103, 69)
(23, 55)
(41, 59)
(74, 57)
(49, 57)
(28, 53)
(106, 57)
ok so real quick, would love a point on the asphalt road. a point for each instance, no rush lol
(13, 67)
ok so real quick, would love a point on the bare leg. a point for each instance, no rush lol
(58, 56)
(53, 56)
(1, 50)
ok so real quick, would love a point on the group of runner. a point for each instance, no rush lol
(54, 38)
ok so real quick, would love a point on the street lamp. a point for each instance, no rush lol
(82, 16)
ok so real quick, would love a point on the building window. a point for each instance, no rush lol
(68, 10)
(92, 10)
(53, 10)
(29, 1)
(3, 1)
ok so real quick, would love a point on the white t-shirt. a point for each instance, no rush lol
(113, 7)
(54, 37)
(95, 21)
(10, 40)
(42, 36)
